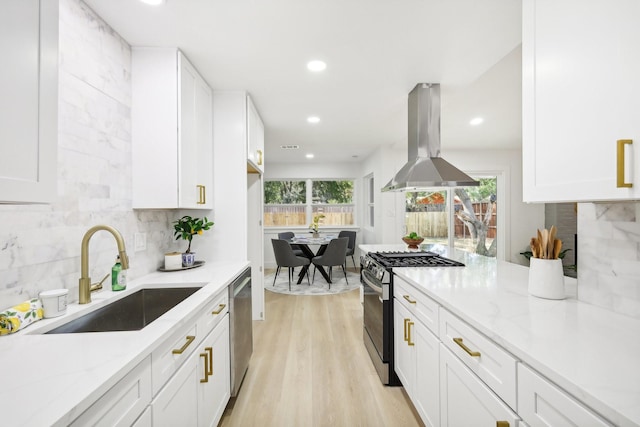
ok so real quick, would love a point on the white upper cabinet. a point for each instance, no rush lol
(172, 131)
(255, 138)
(29, 101)
(581, 95)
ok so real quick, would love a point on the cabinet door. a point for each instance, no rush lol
(580, 95)
(214, 393)
(404, 347)
(195, 138)
(542, 404)
(427, 386)
(29, 101)
(177, 403)
(467, 401)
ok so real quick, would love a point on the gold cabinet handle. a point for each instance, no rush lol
(259, 157)
(202, 194)
(206, 368)
(620, 162)
(405, 328)
(502, 423)
(409, 324)
(408, 298)
(219, 310)
(465, 348)
(210, 351)
(181, 350)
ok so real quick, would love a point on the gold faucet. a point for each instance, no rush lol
(85, 281)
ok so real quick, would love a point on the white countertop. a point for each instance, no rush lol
(590, 352)
(51, 379)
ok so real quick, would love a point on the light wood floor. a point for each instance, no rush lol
(309, 368)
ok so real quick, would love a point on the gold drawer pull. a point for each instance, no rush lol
(465, 348)
(405, 329)
(408, 298)
(259, 157)
(409, 324)
(210, 351)
(206, 368)
(502, 423)
(202, 194)
(620, 164)
(181, 350)
(219, 310)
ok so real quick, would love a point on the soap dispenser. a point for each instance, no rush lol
(118, 276)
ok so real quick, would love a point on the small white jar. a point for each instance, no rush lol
(173, 261)
(54, 303)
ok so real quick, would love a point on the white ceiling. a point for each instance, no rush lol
(376, 52)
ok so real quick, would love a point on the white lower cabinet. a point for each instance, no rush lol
(416, 360)
(465, 400)
(198, 392)
(123, 403)
(542, 404)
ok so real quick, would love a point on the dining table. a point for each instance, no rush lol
(303, 242)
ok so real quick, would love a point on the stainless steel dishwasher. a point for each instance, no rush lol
(241, 329)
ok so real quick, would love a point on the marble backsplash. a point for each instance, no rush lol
(609, 256)
(40, 244)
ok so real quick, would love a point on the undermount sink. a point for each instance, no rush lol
(130, 313)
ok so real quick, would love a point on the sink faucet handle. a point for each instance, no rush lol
(98, 286)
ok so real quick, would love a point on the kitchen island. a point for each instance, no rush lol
(586, 351)
(53, 379)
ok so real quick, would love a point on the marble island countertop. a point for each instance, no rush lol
(590, 352)
(51, 379)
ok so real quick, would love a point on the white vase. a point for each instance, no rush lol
(546, 278)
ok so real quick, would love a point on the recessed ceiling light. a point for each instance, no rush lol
(309, 156)
(313, 119)
(153, 2)
(316, 65)
(476, 121)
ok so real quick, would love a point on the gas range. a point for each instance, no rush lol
(379, 262)
(376, 277)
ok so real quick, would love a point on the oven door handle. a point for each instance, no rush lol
(370, 280)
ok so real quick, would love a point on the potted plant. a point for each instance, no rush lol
(315, 224)
(187, 227)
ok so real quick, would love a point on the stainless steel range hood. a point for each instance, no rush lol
(425, 168)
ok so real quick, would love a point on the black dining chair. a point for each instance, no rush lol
(288, 235)
(351, 247)
(335, 254)
(286, 258)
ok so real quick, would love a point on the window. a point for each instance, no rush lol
(471, 226)
(370, 197)
(294, 203)
(285, 203)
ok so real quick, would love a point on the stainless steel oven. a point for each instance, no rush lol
(376, 276)
(378, 330)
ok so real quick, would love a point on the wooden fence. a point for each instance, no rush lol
(434, 224)
(296, 215)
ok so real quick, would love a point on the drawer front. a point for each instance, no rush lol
(541, 403)
(170, 355)
(214, 312)
(420, 305)
(492, 364)
(124, 402)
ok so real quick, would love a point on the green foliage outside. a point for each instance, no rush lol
(483, 192)
(285, 192)
(294, 192)
(332, 192)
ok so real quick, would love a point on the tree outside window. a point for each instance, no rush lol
(288, 203)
